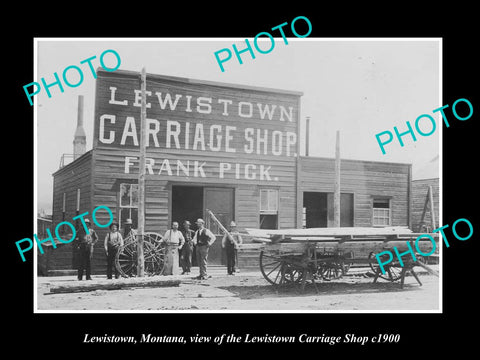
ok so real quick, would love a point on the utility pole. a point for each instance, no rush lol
(141, 178)
(307, 136)
(336, 194)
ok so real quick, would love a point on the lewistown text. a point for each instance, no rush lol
(78, 79)
(58, 227)
(246, 339)
(410, 251)
(423, 132)
(249, 48)
(224, 135)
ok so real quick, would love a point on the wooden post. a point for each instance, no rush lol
(63, 214)
(428, 201)
(307, 136)
(141, 178)
(336, 194)
(432, 207)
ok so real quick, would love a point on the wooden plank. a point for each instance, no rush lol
(359, 249)
(113, 284)
(332, 231)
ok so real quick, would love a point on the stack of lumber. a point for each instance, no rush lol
(359, 242)
(332, 232)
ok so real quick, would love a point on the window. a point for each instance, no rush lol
(268, 209)
(128, 203)
(381, 212)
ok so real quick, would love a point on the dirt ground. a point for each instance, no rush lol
(249, 291)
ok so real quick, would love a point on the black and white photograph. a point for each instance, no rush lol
(282, 183)
(226, 181)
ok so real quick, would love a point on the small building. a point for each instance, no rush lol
(230, 148)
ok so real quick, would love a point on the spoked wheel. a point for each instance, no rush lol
(154, 253)
(393, 270)
(126, 259)
(332, 270)
(272, 267)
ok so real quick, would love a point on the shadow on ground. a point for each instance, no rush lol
(324, 288)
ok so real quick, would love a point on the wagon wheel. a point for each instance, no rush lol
(153, 253)
(271, 267)
(332, 270)
(126, 259)
(393, 271)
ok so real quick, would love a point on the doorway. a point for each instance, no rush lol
(318, 209)
(191, 202)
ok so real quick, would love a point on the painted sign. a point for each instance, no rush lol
(197, 129)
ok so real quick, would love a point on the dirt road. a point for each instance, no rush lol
(249, 291)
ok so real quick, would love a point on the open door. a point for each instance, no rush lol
(221, 202)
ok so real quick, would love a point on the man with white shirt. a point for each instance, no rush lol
(174, 240)
(203, 239)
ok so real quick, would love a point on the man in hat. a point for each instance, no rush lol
(113, 241)
(129, 230)
(187, 249)
(203, 239)
(230, 243)
(85, 241)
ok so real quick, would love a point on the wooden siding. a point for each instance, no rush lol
(365, 179)
(110, 159)
(76, 175)
(419, 195)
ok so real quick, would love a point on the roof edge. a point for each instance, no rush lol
(135, 74)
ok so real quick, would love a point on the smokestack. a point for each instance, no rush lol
(80, 139)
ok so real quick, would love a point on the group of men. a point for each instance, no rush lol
(180, 245)
(183, 242)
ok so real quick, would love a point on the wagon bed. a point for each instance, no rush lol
(295, 256)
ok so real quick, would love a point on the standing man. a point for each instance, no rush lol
(174, 240)
(113, 241)
(231, 244)
(203, 239)
(187, 249)
(86, 239)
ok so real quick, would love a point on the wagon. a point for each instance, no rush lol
(153, 252)
(324, 254)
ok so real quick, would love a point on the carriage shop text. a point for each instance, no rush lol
(230, 148)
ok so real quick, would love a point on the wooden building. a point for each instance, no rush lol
(372, 193)
(233, 149)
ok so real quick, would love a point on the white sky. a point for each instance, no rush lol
(360, 87)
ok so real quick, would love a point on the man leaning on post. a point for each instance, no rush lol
(203, 239)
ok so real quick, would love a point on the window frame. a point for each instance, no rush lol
(269, 211)
(377, 217)
(130, 206)
(274, 211)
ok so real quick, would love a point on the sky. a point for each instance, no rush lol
(359, 87)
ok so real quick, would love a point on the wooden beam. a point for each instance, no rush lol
(113, 285)
(432, 208)
(336, 194)
(141, 177)
(307, 136)
(340, 231)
